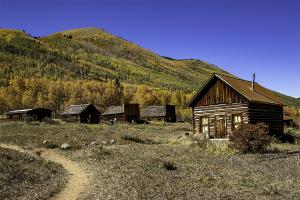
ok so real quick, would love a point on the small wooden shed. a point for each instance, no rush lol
(32, 114)
(124, 113)
(83, 113)
(224, 102)
(165, 113)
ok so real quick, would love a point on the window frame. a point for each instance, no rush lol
(201, 125)
(233, 123)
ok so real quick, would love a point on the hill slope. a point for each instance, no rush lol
(93, 54)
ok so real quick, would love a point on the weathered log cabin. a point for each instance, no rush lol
(83, 113)
(165, 113)
(225, 102)
(32, 114)
(123, 113)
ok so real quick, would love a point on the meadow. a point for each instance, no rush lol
(161, 161)
(23, 176)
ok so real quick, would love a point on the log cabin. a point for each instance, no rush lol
(224, 102)
(32, 114)
(83, 113)
(123, 113)
(165, 113)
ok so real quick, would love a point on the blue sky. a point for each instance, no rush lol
(240, 36)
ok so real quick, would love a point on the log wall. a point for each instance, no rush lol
(221, 109)
(272, 115)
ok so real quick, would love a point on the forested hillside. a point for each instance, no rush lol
(93, 54)
(90, 65)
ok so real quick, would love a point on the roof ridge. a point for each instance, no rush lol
(234, 77)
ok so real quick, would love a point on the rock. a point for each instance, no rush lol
(94, 143)
(104, 142)
(65, 146)
(45, 141)
(112, 142)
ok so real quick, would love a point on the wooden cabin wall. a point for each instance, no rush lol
(132, 112)
(71, 118)
(170, 113)
(90, 115)
(272, 115)
(16, 117)
(220, 93)
(221, 109)
(132, 109)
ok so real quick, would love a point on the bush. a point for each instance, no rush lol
(169, 165)
(250, 138)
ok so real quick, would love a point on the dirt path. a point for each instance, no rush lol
(78, 178)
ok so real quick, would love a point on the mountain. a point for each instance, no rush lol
(93, 54)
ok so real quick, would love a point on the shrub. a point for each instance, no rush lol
(250, 138)
(169, 165)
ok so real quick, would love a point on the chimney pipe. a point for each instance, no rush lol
(253, 82)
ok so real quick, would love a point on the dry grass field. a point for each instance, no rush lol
(25, 177)
(158, 161)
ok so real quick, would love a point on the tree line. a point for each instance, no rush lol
(57, 95)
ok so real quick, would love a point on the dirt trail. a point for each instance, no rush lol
(77, 180)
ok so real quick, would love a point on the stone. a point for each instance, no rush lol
(65, 146)
(112, 142)
(94, 143)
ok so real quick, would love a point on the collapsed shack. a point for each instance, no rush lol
(32, 114)
(83, 113)
(123, 113)
(165, 113)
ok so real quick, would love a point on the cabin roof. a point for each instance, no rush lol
(154, 111)
(23, 111)
(75, 109)
(112, 110)
(244, 87)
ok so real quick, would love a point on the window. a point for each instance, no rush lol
(237, 120)
(203, 125)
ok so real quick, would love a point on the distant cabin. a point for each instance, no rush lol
(83, 113)
(225, 102)
(32, 114)
(124, 113)
(164, 113)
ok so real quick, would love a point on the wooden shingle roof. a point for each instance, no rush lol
(154, 111)
(112, 110)
(244, 87)
(75, 109)
(12, 112)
